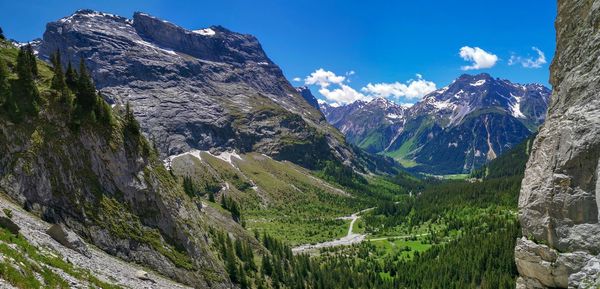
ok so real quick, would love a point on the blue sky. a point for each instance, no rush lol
(377, 42)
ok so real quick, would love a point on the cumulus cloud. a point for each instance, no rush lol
(412, 89)
(343, 95)
(297, 79)
(478, 57)
(323, 78)
(336, 89)
(529, 62)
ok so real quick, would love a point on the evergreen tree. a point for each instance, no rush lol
(58, 79)
(71, 77)
(32, 60)
(131, 124)
(2, 34)
(86, 92)
(232, 268)
(103, 111)
(267, 268)
(211, 196)
(234, 208)
(243, 279)
(27, 99)
(4, 84)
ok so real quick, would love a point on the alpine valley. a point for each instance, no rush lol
(452, 130)
(136, 153)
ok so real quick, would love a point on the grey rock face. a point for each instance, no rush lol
(560, 194)
(202, 89)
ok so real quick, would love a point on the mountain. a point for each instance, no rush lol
(369, 125)
(454, 129)
(93, 174)
(560, 194)
(207, 89)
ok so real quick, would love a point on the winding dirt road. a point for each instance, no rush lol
(349, 239)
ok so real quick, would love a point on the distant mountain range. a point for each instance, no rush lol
(451, 130)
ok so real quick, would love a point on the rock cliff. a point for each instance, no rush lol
(560, 195)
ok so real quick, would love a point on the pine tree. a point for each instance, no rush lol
(32, 60)
(103, 111)
(58, 79)
(211, 196)
(86, 92)
(2, 34)
(131, 124)
(243, 279)
(27, 99)
(4, 84)
(267, 268)
(71, 77)
(232, 268)
(234, 208)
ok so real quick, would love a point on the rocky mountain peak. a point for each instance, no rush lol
(200, 89)
(308, 96)
(215, 43)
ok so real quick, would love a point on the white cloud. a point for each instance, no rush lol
(529, 62)
(412, 89)
(343, 95)
(478, 57)
(337, 91)
(323, 78)
(297, 79)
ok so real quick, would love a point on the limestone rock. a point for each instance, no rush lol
(7, 223)
(68, 239)
(143, 275)
(560, 194)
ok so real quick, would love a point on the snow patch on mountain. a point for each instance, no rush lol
(205, 32)
(478, 82)
(515, 106)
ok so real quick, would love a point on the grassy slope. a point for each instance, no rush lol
(280, 198)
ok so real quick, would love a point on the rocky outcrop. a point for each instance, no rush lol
(7, 223)
(206, 89)
(68, 239)
(308, 96)
(560, 195)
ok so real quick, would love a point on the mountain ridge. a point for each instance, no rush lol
(497, 109)
(197, 89)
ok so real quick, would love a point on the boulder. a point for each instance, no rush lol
(143, 275)
(8, 224)
(68, 239)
